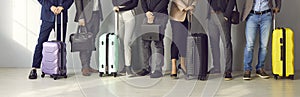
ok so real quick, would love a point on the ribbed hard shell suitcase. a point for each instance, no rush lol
(197, 56)
(108, 54)
(283, 53)
(54, 57)
(109, 51)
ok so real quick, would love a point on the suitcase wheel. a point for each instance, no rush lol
(275, 77)
(101, 74)
(43, 75)
(65, 76)
(55, 77)
(291, 77)
(115, 74)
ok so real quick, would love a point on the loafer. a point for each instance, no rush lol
(32, 74)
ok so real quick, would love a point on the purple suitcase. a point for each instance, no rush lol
(54, 58)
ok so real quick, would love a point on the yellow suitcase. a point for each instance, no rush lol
(283, 53)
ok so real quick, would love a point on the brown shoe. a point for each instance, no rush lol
(93, 70)
(86, 72)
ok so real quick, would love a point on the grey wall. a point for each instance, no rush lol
(20, 27)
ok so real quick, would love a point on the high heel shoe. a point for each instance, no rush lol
(179, 68)
(174, 76)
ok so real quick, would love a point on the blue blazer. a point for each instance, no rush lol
(48, 15)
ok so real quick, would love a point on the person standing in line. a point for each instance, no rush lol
(156, 12)
(50, 8)
(180, 9)
(258, 16)
(125, 10)
(88, 15)
(219, 27)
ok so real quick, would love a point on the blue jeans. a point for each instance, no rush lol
(262, 23)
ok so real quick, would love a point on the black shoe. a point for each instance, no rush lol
(247, 75)
(143, 72)
(156, 74)
(261, 73)
(32, 74)
(179, 68)
(227, 76)
(174, 76)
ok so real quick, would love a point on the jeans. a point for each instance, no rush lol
(263, 24)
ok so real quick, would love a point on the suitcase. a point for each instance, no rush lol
(108, 52)
(283, 53)
(196, 55)
(54, 57)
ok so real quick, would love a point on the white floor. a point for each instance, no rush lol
(14, 82)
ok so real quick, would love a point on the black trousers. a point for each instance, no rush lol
(45, 29)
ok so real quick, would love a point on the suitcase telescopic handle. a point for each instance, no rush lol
(189, 22)
(274, 21)
(61, 26)
(117, 23)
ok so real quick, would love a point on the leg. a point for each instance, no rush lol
(225, 33)
(214, 36)
(45, 30)
(265, 28)
(85, 57)
(129, 22)
(251, 28)
(174, 57)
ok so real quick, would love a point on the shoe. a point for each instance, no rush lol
(262, 74)
(122, 72)
(214, 71)
(227, 76)
(86, 72)
(174, 76)
(156, 74)
(179, 68)
(93, 70)
(129, 72)
(143, 72)
(247, 75)
(32, 74)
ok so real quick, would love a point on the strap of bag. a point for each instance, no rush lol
(82, 12)
(235, 5)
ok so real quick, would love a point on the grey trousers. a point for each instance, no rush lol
(92, 26)
(219, 28)
(156, 58)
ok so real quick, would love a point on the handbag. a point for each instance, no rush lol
(82, 40)
(235, 16)
(150, 32)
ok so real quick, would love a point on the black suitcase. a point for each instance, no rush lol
(197, 56)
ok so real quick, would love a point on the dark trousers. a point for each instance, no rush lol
(157, 58)
(92, 26)
(219, 28)
(179, 38)
(45, 29)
